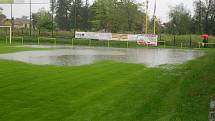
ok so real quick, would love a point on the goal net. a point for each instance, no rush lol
(6, 31)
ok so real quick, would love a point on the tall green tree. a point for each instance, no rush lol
(62, 14)
(99, 21)
(204, 16)
(199, 10)
(42, 20)
(212, 19)
(2, 16)
(117, 16)
(76, 14)
(180, 20)
(85, 13)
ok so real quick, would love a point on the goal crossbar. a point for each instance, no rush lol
(46, 38)
(10, 32)
(14, 37)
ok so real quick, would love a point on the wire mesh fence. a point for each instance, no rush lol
(21, 36)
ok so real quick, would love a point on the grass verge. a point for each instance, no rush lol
(9, 49)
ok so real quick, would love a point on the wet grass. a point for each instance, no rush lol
(10, 49)
(107, 91)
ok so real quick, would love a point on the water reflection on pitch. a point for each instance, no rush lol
(87, 55)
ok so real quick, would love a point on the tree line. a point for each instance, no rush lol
(102, 15)
(123, 16)
(182, 22)
(128, 16)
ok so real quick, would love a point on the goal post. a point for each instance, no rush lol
(164, 43)
(17, 38)
(10, 36)
(46, 38)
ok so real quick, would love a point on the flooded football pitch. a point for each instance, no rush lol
(66, 55)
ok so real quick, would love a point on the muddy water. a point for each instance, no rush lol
(86, 55)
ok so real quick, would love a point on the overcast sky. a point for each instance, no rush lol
(163, 7)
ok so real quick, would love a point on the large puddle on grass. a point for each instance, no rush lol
(63, 55)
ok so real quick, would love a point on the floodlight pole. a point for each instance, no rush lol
(52, 18)
(154, 17)
(146, 29)
(154, 24)
(10, 35)
(11, 14)
(30, 19)
(75, 12)
(200, 16)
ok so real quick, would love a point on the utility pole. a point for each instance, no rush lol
(52, 4)
(200, 16)
(75, 12)
(87, 13)
(154, 24)
(146, 26)
(30, 19)
(11, 14)
(154, 17)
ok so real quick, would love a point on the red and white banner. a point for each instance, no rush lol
(144, 39)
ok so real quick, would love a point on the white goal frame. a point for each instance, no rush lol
(46, 38)
(10, 32)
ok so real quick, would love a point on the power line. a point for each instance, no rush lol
(24, 3)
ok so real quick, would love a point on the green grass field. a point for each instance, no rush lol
(106, 91)
(8, 49)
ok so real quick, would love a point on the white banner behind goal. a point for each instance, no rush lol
(93, 35)
(142, 39)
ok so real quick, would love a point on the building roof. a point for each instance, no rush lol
(21, 21)
(17, 21)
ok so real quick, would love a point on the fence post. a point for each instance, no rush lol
(38, 41)
(174, 41)
(72, 43)
(190, 41)
(89, 42)
(55, 41)
(22, 41)
(6, 40)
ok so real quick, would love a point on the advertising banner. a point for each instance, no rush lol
(93, 35)
(141, 39)
(144, 39)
